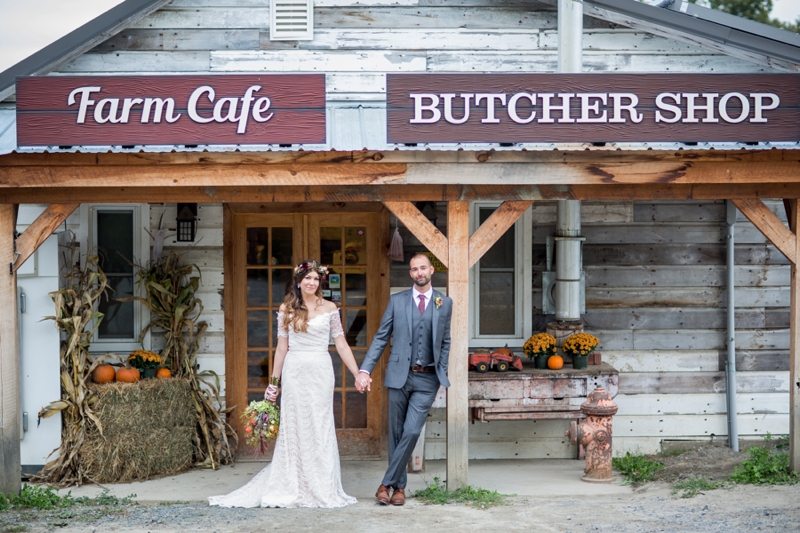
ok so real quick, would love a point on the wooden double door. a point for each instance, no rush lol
(266, 247)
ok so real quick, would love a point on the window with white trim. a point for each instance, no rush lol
(117, 235)
(500, 283)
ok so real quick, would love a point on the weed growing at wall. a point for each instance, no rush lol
(766, 466)
(636, 469)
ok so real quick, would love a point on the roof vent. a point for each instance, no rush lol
(291, 20)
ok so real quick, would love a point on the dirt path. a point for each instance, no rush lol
(653, 508)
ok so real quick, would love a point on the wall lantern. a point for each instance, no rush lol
(187, 222)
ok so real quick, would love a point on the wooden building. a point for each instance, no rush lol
(653, 209)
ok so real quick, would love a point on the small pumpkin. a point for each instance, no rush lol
(504, 351)
(163, 373)
(103, 374)
(555, 362)
(127, 375)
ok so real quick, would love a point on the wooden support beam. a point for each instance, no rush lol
(770, 225)
(10, 471)
(396, 193)
(457, 393)
(794, 347)
(422, 228)
(40, 230)
(495, 226)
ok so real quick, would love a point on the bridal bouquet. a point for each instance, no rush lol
(262, 420)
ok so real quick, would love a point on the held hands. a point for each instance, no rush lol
(363, 382)
(271, 393)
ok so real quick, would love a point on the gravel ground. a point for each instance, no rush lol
(651, 508)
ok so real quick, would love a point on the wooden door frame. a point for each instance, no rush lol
(235, 217)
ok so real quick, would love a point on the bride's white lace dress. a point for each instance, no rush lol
(305, 470)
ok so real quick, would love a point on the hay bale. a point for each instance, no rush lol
(148, 430)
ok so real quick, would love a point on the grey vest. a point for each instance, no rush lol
(422, 335)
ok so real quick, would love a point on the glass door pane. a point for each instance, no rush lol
(268, 276)
(344, 250)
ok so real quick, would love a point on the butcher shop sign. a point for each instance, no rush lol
(519, 108)
(171, 110)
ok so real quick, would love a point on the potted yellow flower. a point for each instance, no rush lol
(579, 346)
(539, 348)
(145, 361)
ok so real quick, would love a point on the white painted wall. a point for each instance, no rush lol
(39, 353)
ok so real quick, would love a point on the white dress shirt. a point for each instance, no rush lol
(428, 295)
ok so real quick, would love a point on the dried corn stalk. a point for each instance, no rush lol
(76, 317)
(174, 308)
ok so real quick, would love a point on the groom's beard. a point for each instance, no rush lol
(422, 282)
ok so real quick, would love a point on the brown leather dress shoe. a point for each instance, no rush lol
(382, 495)
(398, 497)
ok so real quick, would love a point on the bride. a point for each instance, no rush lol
(304, 471)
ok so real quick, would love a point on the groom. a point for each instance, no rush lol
(418, 320)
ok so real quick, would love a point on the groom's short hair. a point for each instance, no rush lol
(420, 254)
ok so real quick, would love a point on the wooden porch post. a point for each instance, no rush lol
(10, 471)
(457, 393)
(787, 240)
(794, 347)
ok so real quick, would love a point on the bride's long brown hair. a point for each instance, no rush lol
(295, 310)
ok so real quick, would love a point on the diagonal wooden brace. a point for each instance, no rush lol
(422, 228)
(495, 227)
(41, 229)
(769, 224)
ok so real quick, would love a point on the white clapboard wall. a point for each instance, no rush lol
(206, 254)
(655, 270)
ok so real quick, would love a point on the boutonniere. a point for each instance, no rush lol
(437, 302)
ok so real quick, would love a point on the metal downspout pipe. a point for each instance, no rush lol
(568, 212)
(730, 364)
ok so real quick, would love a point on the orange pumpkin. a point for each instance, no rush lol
(103, 374)
(127, 375)
(555, 362)
(504, 351)
(163, 373)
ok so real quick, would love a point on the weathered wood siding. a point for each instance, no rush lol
(356, 43)
(656, 298)
(206, 253)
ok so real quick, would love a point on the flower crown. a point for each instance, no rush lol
(306, 266)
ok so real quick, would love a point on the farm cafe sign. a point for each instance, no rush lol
(466, 108)
(166, 110)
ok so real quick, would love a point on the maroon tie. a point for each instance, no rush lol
(421, 305)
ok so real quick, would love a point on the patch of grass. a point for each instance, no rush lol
(47, 498)
(15, 529)
(766, 466)
(636, 469)
(104, 498)
(689, 488)
(437, 494)
(39, 497)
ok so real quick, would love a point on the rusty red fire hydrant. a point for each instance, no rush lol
(594, 434)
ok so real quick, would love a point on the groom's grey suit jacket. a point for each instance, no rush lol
(396, 324)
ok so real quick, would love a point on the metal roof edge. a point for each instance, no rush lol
(77, 42)
(732, 21)
(710, 24)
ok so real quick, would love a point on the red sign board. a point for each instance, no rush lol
(158, 110)
(520, 108)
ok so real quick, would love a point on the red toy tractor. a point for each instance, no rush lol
(501, 360)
